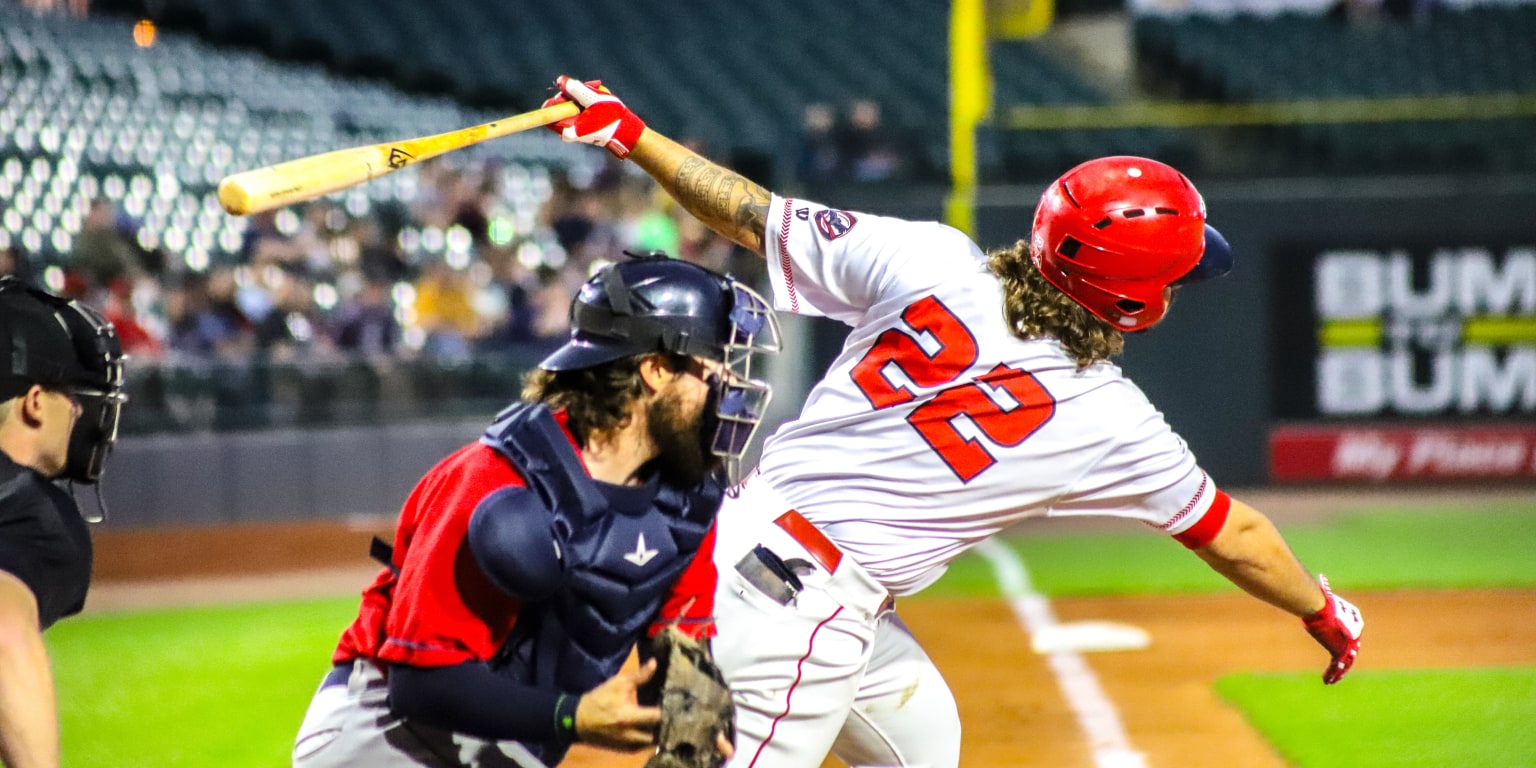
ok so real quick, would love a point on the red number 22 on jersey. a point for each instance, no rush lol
(935, 419)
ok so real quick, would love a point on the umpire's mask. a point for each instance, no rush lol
(66, 346)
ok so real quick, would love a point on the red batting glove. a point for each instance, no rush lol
(1337, 627)
(603, 120)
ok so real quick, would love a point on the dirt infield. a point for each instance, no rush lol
(1013, 712)
(1014, 716)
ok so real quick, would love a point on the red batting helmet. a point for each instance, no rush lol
(1115, 232)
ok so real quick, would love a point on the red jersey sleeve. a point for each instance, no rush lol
(691, 603)
(442, 608)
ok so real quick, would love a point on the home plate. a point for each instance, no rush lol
(1089, 637)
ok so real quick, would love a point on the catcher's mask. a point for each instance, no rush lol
(1114, 233)
(63, 345)
(654, 303)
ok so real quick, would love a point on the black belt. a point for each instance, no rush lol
(338, 675)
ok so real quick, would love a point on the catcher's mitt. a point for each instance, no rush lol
(696, 704)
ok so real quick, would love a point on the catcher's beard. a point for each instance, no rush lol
(683, 455)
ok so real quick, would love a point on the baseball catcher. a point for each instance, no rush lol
(527, 565)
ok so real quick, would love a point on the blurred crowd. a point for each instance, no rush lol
(857, 146)
(453, 274)
(76, 8)
(444, 278)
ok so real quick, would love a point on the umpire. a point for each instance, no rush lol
(61, 390)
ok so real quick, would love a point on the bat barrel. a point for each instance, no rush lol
(306, 178)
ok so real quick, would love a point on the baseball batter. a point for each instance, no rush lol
(974, 391)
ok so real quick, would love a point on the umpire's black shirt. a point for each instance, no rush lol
(43, 541)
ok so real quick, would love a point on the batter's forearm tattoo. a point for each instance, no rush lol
(728, 202)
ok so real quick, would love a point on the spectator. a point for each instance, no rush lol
(14, 262)
(368, 326)
(445, 310)
(471, 199)
(876, 152)
(137, 341)
(263, 243)
(203, 326)
(582, 220)
(292, 329)
(379, 256)
(518, 285)
(321, 223)
(101, 254)
(821, 160)
(569, 213)
(551, 302)
(76, 8)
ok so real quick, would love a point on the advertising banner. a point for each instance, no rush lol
(1433, 347)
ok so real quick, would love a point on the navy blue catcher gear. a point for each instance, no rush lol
(657, 304)
(617, 564)
(63, 345)
(516, 541)
(653, 304)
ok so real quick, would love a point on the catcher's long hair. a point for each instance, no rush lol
(1036, 309)
(597, 399)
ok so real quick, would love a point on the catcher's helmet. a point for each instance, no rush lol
(656, 304)
(1115, 232)
(66, 346)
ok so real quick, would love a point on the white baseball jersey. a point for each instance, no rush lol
(936, 426)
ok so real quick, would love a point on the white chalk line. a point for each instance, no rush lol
(1095, 713)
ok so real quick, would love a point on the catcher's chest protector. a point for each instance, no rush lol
(620, 563)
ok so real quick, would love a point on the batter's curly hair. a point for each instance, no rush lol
(1036, 309)
(596, 400)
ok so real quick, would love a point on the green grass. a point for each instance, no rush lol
(228, 686)
(1418, 719)
(1379, 549)
(220, 686)
(1375, 719)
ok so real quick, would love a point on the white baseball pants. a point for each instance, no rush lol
(833, 669)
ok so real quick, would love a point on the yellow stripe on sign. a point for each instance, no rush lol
(1020, 19)
(1498, 331)
(1191, 113)
(1350, 333)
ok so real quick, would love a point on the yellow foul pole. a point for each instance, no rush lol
(970, 89)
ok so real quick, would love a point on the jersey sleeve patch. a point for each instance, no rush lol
(832, 224)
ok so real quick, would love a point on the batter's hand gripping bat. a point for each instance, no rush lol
(286, 183)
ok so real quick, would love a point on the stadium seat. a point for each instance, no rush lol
(87, 113)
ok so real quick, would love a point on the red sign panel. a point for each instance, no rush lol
(1379, 453)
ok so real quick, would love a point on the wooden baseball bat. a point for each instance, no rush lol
(286, 183)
